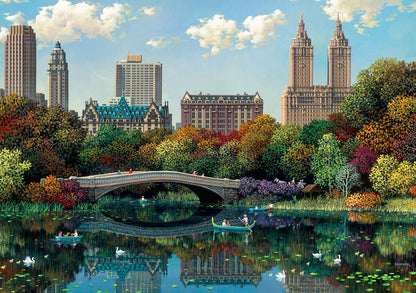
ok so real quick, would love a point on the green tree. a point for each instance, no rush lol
(347, 178)
(311, 133)
(375, 87)
(205, 164)
(229, 166)
(327, 161)
(271, 158)
(12, 169)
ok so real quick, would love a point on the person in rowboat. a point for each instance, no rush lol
(75, 234)
(245, 220)
(60, 234)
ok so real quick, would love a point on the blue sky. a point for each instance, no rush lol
(208, 46)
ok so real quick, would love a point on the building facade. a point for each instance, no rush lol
(40, 100)
(302, 101)
(142, 82)
(20, 62)
(58, 78)
(221, 113)
(125, 117)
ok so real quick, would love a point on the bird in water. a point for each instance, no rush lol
(281, 276)
(337, 260)
(317, 255)
(119, 251)
(29, 261)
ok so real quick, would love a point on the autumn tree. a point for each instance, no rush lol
(380, 175)
(375, 87)
(327, 161)
(296, 161)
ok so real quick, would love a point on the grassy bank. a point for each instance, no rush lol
(403, 205)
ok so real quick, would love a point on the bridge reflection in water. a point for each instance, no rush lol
(102, 223)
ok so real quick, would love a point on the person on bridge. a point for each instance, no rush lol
(130, 171)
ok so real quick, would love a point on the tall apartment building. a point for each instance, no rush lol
(221, 113)
(20, 62)
(142, 82)
(302, 101)
(58, 78)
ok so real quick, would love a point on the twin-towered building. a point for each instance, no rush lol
(302, 101)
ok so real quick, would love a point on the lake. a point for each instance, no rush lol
(176, 249)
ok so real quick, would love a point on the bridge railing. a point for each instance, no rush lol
(114, 178)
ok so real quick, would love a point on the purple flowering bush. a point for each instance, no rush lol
(263, 187)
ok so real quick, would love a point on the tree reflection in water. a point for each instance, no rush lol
(378, 252)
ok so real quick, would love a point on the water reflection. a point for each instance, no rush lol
(377, 253)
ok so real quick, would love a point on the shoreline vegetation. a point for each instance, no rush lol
(315, 204)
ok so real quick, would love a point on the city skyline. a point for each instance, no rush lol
(212, 47)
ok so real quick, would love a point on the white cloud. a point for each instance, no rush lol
(16, 19)
(261, 28)
(218, 33)
(412, 7)
(368, 11)
(161, 42)
(3, 35)
(67, 22)
(147, 10)
(214, 33)
(15, 1)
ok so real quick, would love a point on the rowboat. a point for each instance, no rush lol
(69, 238)
(233, 228)
(258, 210)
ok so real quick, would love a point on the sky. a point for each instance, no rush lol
(221, 47)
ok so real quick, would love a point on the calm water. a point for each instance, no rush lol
(177, 250)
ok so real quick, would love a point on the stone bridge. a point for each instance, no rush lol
(208, 189)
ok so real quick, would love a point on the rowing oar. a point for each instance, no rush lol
(246, 224)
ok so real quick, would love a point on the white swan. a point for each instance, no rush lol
(29, 261)
(317, 255)
(337, 260)
(119, 251)
(281, 276)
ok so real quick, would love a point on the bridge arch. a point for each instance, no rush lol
(208, 189)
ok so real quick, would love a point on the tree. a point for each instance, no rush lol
(296, 162)
(204, 164)
(327, 161)
(341, 127)
(311, 133)
(403, 178)
(364, 160)
(271, 158)
(286, 134)
(406, 148)
(347, 178)
(229, 166)
(380, 175)
(375, 87)
(12, 169)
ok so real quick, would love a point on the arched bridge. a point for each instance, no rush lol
(208, 189)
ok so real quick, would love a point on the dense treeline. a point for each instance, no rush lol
(370, 145)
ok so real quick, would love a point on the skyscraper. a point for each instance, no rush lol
(142, 82)
(58, 78)
(20, 62)
(302, 101)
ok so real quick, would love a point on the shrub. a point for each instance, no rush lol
(413, 190)
(249, 186)
(365, 200)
